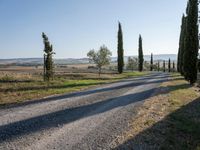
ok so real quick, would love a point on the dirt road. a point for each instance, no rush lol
(85, 120)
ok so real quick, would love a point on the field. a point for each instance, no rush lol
(18, 84)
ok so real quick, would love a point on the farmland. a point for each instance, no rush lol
(20, 83)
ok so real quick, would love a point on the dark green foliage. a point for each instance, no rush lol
(151, 65)
(169, 65)
(48, 58)
(198, 65)
(140, 55)
(164, 66)
(120, 50)
(181, 46)
(191, 42)
(174, 68)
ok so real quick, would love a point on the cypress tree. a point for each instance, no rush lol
(174, 66)
(169, 65)
(48, 58)
(181, 46)
(151, 63)
(164, 66)
(191, 42)
(140, 56)
(120, 50)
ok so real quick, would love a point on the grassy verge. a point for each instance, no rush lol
(168, 120)
(15, 90)
(184, 120)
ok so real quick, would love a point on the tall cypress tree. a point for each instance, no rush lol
(181, 46)
(191, 42)
(164, 66)
(169, 65)
(48, 58)
(151, 62)
(140, 55)
(120, 50)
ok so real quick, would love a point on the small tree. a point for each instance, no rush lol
(100, 58)
(151, 66)
(140, 55)
(169, 65)
(48, 59)
(146, 65)
(164, 66)
(132, 63)
(174, 68)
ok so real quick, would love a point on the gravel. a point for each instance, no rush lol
(89, 119)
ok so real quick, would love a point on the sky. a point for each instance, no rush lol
(76, 26)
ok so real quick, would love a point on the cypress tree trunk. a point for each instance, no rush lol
(191, 42)
(151, 65)
(44, 68)
(120, 50)
(140, 56)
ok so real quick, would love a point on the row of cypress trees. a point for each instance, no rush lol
(164, 65)
(189, 43)
(120, 52)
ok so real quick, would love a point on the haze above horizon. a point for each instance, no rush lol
(75, 27)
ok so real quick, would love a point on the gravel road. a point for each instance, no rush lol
(85, 120)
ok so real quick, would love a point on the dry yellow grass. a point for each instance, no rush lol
(161, 121)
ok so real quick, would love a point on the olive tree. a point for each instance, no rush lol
(132, 63)
(100, 57)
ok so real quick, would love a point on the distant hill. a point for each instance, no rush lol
(38, 61)
(173, 57)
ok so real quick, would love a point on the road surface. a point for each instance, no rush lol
(89, 119)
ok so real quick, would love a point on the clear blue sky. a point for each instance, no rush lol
(76, 26)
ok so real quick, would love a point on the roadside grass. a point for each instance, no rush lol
(169, 120)
(133, 74)
(184, 120)
(15, 89)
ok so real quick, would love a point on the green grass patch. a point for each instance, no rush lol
(16, 90)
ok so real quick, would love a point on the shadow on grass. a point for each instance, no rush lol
(127, 83)
(73, 85)
(16, 81)
(178, 131)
